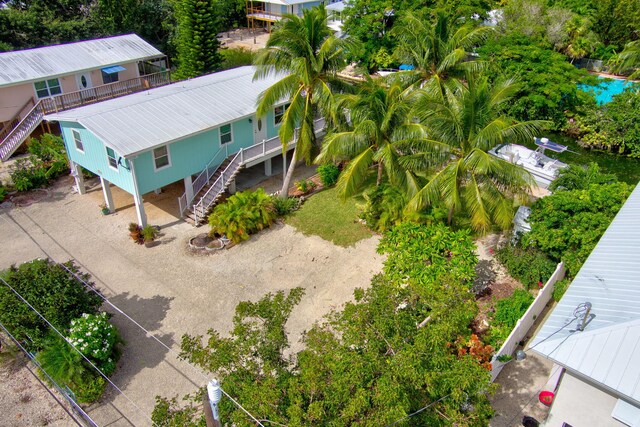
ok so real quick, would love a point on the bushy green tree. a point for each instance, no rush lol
(614, 126)
(392, 351)
(567, 225)
(577, 177)
(51, 290)
(197, 37)
(547, 80)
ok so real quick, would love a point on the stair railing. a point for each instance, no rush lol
(200, 208)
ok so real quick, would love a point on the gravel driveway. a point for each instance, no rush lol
(171, 291)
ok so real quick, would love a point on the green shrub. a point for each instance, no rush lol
(285, 206)
(528, 265)
(51, 290)
(68, 368)
(90, 388)
(508, 311)
(328, 174)
(26, 176)
(3, 192)
(305, 185)
(242, 214)
(236, 57)
(560, 288)
(47, 161)
(97, 339)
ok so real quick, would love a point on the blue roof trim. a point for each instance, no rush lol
(114, 69)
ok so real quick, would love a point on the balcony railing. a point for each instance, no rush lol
(18, 129)
(79, 98)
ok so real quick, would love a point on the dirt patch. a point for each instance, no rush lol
(23, 401)
(30, 197)
(502, 285)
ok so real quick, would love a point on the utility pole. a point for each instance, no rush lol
(210, 403)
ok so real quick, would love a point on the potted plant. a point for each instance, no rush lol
(135, 232)
(105, 209)
(149, 234)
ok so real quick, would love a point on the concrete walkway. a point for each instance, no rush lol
(171, 291)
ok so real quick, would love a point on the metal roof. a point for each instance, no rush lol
(52, 61)
(138, 122)
(608, 350)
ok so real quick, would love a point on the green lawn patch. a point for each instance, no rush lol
(325, 215)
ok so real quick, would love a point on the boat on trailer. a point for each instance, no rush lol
(543, 168)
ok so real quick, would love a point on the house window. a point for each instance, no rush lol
(48, 88)
(278, 113)
(77, 138)
(112, 159)
(161, 157)
(226, 136)
(109, 77)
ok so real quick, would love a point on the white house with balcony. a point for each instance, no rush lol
(55, 78)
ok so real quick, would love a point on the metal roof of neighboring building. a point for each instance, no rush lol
(135, 123)
(24, 66)
(608, 350)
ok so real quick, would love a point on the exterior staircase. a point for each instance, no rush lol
(215, 179)
(211, 193)
(21, 126)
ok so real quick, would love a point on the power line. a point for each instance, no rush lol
(424, 408)
(78, 351)
(56, 385)
(147, 332)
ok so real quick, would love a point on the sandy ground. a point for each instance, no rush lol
(171, 291)
(244, 38)
(23, 402)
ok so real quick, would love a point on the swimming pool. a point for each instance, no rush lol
(605, 90)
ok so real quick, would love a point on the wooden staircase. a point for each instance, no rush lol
(211, 193)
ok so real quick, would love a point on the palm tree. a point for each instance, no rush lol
(381, 133)
(438, 51)
(304, 50)
(469, 122)
(629, 59)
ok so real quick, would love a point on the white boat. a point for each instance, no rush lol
(543, 168)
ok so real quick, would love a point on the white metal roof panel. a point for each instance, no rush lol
(141, 121)
(51, 61)
(608, 350)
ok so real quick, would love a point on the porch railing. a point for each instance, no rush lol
(245, 155)
(82, 97)
(13, 137)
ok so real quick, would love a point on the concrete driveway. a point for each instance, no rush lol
(171, 291)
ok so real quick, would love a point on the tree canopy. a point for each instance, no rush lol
(396, 349)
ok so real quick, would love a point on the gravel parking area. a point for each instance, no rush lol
(171, 291)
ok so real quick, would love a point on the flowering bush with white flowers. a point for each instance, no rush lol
(96, 338)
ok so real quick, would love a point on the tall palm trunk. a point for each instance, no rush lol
(380, 170)
(284, 191)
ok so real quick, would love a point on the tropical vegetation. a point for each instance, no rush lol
(305, 51)
(463, 126)
(403, 345)
(83, 340)
(569, 223)
(46, 161)
(243, 214)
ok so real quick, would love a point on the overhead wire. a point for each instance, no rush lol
(33, 359)
(78, 351)
(146, 331)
